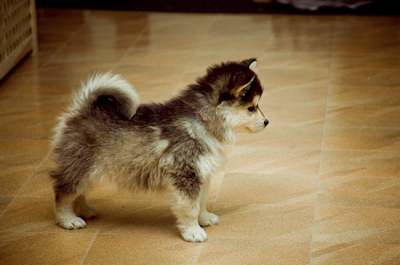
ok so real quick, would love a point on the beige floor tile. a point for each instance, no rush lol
(274, 161)
(202, 60)
(359, 163)
(344, 95)
(36, 214)
(13, 178)
(343, 254)
(43, 248)
(75, 70)
(239, 26)
(363, 116)
(263, 221)
(297, 115)
(294, 86)
(357, 225)
(138, 217)
(166, 43)
(27, 126)
(23, 152)
(296, 60)
(32, 63)
(306, 45)
(278, 136)
(217, 44)
(40, 184)
(127, 249)
(366, 77)
(47, 106)
(300, 95)
(294, 77)
(178, 25)
(366, 191)
(271, 189)
(158, 57)
(144, 80)
(41, 85)
(367, 46)
(10, 85)
(89, 54)
(100, 37)
(365, 61)
(5, 202)
(350, 138)
(253, 251)
(381, 30)
(108, 18)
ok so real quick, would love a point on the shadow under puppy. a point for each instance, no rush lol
(175, 146)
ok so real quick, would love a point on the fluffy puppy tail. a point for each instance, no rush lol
(109, 94)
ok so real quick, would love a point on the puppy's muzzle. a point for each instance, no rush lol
(266, 121)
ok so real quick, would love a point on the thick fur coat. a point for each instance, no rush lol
(176, 146)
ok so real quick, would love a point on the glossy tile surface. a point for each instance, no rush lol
(321, 185)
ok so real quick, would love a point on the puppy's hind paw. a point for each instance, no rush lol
(73, 223)
(89, 212)
(195, 234)
(208, 219)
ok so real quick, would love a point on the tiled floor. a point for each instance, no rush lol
(321, 185)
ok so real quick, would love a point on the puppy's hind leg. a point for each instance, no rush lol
(206, 218)
(65, 214)
(83, 209)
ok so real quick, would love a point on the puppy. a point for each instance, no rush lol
(175, 146)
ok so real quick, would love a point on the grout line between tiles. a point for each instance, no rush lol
(132, 46)
(322, 142)
(98, 231)
(26, 182)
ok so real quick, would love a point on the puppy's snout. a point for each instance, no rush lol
(266, 122)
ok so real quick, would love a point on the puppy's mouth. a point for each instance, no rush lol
(258, 127)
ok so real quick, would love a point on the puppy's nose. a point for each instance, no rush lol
(266, 122)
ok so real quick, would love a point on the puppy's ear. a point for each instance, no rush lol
(242, 90)
(251, 63)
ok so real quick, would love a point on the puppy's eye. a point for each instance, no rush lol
(251, 109)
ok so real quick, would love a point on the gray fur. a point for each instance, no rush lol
(175, 146)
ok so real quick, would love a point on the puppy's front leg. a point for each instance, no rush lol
(206, 218)
(186, 210)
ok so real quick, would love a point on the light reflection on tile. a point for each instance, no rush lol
(357, 225)
(342, 254)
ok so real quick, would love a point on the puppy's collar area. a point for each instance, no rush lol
(207, 122)
(202, 117)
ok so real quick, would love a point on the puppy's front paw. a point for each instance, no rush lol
(195, 234)
(71, 223)
(208, 219)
